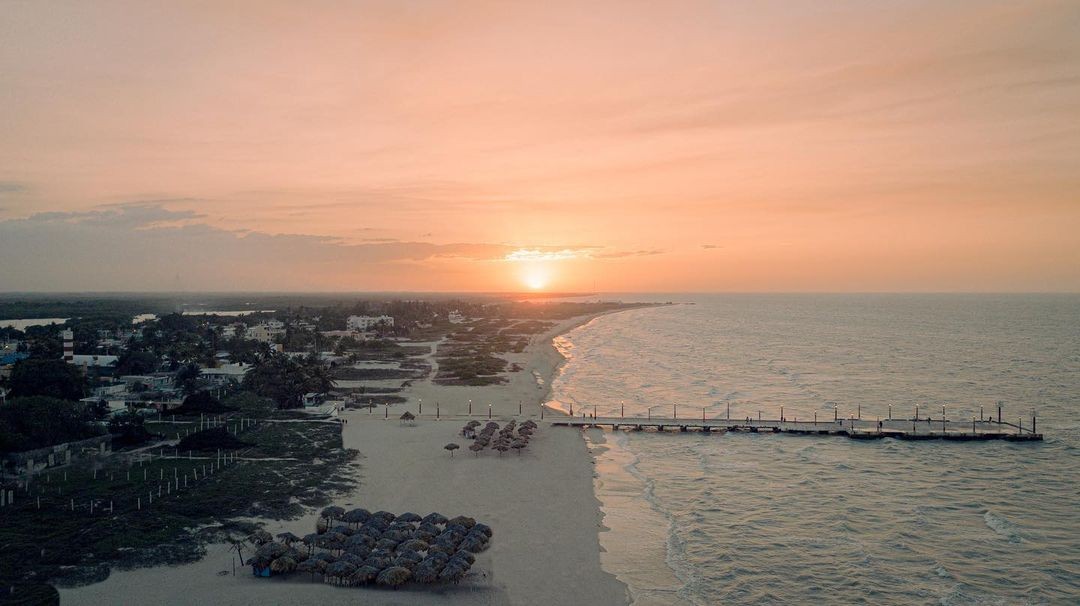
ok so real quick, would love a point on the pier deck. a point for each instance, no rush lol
(864, 429)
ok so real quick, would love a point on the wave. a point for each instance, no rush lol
(1003, 527)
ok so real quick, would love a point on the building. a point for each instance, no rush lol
(455, 317)
(155, 382)
(8, 360)
(225, 374)
(266, 332)
(69, 344)
(87, 361)
(366, 323)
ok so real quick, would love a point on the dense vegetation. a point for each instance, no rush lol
(37, 422)
(286, 379)
(50, 378)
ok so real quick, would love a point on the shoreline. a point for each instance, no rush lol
(542, 505)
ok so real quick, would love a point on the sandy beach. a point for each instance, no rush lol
(541, 505)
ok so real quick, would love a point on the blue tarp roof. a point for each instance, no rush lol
(13, 357)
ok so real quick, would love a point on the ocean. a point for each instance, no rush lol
(741, 518)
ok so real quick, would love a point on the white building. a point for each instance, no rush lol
(85, 361)
(226, 373)
(266, 332)
(455, 317)
(366, 323)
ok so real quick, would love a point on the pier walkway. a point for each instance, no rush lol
(861, 429)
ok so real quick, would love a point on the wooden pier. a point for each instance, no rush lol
(858, 429)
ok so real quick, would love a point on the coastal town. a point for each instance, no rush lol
(266, 420)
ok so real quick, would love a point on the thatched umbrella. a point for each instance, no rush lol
(451, 447)
(343, 530)
(358, 550)
(260, 537)
(465, 521)
(426, 573)
(395, 535)
(409, 517)
(476, 447)
(360, 540)
(452, 572)
(437, 519)
(329, 558)
(384, 515)
(481, 528)
(473, 543)
(387, 544)
(517, 445)
(409, 554)
(311, 565)
(372, 530)
(332, 513)
(407, 417)
(501, 447)
(382, 552)
(259, 560)
(356, 516)
(283, 565)
(339, 570)
(272, 550)
(353, 559)
(444, 548)
(464, 555)
(413, 545)
(395, 576)
(365, 575)
(377, 563)
(288, 538)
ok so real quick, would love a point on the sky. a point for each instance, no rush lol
(575, 146)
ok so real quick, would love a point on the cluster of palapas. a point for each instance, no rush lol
(506, 439)
(356, 548)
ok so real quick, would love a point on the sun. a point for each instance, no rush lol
(535, 278)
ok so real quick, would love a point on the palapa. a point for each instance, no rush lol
(395, 576)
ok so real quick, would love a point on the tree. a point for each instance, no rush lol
(51, 378)
(137, 363)
(36, 422)
(187, 378)
(286, 380)
(130, 427)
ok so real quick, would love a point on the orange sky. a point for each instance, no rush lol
(617, 146)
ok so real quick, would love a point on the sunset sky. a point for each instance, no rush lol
(481, 146)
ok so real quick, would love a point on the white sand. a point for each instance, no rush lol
(540, 504)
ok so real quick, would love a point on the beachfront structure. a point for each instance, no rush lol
(225, 373)
(365, 323)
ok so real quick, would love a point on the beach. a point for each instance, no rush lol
(540, 504)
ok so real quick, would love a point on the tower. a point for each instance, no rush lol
(69, 346)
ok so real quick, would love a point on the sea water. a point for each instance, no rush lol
(699, 518)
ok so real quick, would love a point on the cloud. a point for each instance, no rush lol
(146, 246)
(628, 253)
(537, 254)
(712, 246)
